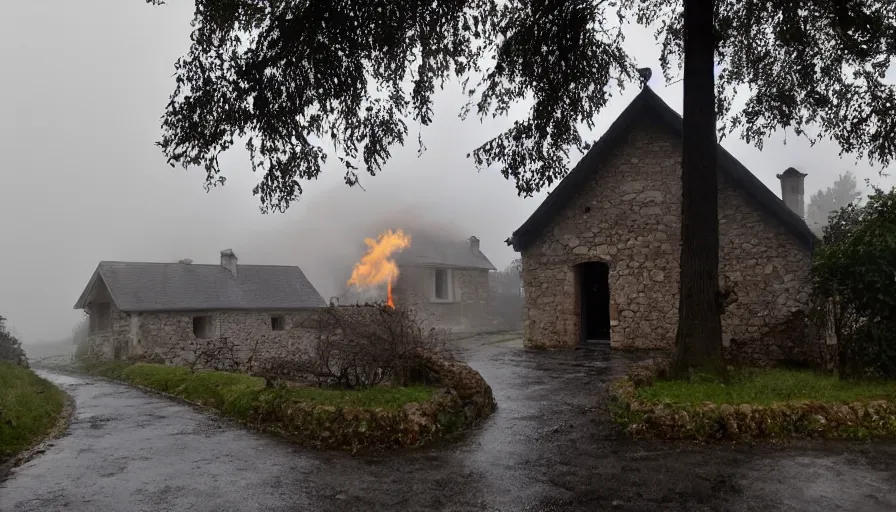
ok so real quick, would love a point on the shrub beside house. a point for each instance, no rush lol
(854, 302)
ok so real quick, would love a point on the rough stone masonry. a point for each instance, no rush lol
(629, 217)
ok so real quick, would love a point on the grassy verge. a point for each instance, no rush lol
(228, 390)
(759, 404)
(29, 408)
(383, 417)
(768, 387)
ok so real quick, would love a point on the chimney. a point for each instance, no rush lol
(792, 190)
(474, 243)
(228, 261)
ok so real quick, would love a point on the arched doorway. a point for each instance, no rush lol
(594, 301)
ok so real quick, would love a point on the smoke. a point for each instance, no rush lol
(327, 238)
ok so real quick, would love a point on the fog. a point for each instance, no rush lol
(84, 85)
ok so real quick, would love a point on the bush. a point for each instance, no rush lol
(29, 408)
(10, 347)
(358, 347)
(854, 286)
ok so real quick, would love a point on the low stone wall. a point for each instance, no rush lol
(464, 400)
(744, 422)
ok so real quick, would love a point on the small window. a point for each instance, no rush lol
(202, 327)
(442, 289)
(278, 323)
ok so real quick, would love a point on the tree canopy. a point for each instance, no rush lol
(301, 80)
(288, 75)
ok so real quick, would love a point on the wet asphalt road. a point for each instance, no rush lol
(548, 447)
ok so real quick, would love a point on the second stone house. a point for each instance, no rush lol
(446, 281)
(141, 309)
(600, 256)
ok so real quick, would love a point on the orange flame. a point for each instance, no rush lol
(377, 267)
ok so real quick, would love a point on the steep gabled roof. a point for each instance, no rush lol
(430, 252)
(647, 103)
(188, 287)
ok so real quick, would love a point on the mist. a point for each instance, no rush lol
(329, 241)
(81, 180)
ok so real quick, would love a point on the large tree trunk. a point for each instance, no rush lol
(699, 337)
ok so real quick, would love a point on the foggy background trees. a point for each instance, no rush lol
(854, 285)
(831, 199)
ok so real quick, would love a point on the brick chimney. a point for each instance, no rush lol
(228, 261)
(792, 192)
(474, 243)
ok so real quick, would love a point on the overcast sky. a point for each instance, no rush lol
(83, 86)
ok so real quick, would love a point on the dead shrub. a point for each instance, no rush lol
(220, 354)
(357, 347)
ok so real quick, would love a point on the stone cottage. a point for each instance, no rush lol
(145, 308)
(446, 281)
(600, 254)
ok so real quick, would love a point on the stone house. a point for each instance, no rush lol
(446, 281)
(154, 308)
(600, 255)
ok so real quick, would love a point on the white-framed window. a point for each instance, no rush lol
(442, 285)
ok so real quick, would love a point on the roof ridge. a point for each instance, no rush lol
(193, 264)
(567, 188)
(145, 286)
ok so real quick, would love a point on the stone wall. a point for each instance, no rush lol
(469, 310)
(169, 336)
(629, 218)
(102, 345)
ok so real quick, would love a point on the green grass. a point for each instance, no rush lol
(235, 393)
(29, 408)
(766, 387)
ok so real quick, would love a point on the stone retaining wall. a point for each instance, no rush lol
(639, 418)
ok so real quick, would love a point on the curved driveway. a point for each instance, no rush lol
(548, 447)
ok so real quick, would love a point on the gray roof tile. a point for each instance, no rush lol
(185, 287)
(429, 252)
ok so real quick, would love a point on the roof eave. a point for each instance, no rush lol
(194, 309)
(568, 186)
(448, 265)
(82, 299)
(97, 275)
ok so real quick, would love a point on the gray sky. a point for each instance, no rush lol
(84, 85)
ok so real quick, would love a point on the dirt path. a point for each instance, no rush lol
(546, 448)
